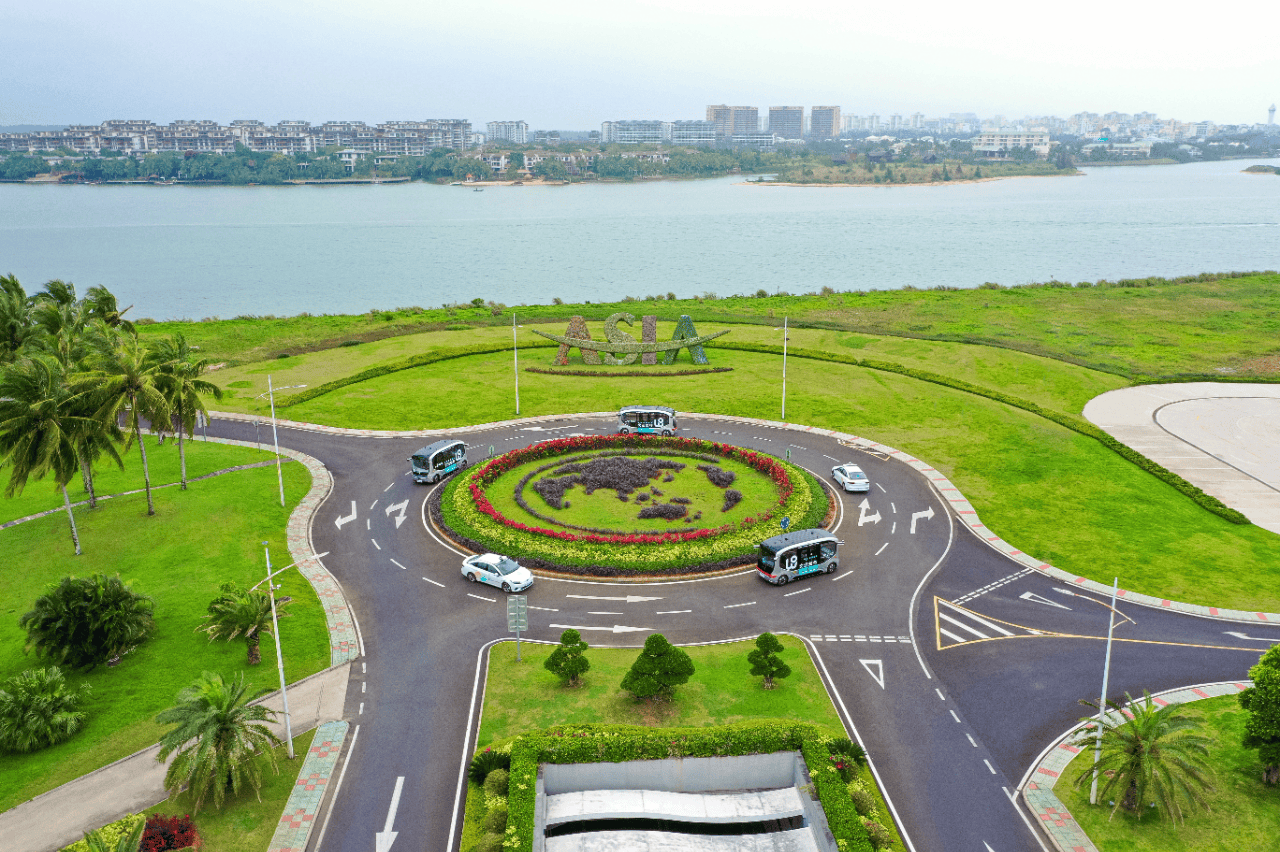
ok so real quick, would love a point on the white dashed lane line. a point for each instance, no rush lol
(478, 597)
(372, 505)
(375, 543)
(544, 608)
(388, 488)
(433, 582)
(733, 606)
(673, 611)
(882, 547)
(402, 567)
(881, 487)
(801, 592)
(820, 637)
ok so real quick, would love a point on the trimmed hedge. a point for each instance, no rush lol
(1075, 424)
(619, 743)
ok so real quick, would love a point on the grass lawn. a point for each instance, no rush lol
(1192, 327)
(162, 461)
(1051, 492)
(524, 696)
(1243, 812)
(197, 540)
(245, 823)
(603, 510)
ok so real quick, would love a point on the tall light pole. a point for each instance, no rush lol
(275, 437)
(1102, 704)
(784, 368)
(515, 355)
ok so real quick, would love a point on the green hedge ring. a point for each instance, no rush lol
(463, 509)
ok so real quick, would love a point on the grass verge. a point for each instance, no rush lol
(1243, 812)
(198, 539)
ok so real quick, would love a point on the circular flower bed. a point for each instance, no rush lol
(639, 469)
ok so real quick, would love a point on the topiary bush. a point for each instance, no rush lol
(863, 802)
(485, 762)
(488, 842)
(495, 821)
(496, 783)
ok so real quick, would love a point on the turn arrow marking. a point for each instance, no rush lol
(401, 508)
(1250, 638)
(627, 599)
(617, 628)
(926, 514)
(349, 518)
(382, 840)
(863, 517)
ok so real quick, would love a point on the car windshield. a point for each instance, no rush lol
(857, 474)
(504, 567)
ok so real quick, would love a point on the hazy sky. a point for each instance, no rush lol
(570, 64)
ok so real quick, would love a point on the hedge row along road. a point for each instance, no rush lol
(954, 663)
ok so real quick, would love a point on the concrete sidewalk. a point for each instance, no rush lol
(1200, 431)
(62, 816)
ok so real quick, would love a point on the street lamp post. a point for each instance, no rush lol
(1102, 705)
(275, 630)
(515, 355)
(784, 368)
(276, 438)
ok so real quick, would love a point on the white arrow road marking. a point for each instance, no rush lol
(926, 514)
(382, 840)
(617, 628)
(547, 428)
(627, 599)
(1250, 638)
(348, 518)
(863, 517)
(988, 845)
(401, 508)
(875, 668)
(1034, 598)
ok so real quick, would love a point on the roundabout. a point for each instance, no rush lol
(952, 720)
(610, 505)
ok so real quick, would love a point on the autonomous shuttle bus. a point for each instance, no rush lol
(438, 460)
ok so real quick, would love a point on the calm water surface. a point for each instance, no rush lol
(223, 251)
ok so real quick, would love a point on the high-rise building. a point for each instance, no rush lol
(824, 122)
(787, 122)
(731, 120)
(508, 131)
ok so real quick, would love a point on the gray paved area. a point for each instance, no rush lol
(663, 804)
(1224, 438)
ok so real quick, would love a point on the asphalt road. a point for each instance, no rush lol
(954, 665)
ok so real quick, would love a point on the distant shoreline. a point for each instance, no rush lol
(873, 185)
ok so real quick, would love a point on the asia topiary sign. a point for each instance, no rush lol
(620, 349)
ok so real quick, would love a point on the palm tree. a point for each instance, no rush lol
(84, 621)
(16, 325)
(129, 840)
(102, 305)
(38, 709)
(217, 736)
(127, 380)
(182, 387)
(238, 613)
(38, 429)
(1150, 755)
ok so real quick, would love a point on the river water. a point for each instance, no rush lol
(194, 252)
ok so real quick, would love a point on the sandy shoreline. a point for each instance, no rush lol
(879, 185)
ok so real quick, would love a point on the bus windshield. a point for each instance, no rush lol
(767, 556)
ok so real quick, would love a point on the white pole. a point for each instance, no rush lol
(275, 437)
(515, 354)
(784, 369)
(1102, 705)
(275, 630)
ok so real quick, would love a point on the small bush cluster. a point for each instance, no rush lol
(164, 833)
(109, 835)
(732, 497)
(669, 511)
(718, 476)
(618, 473)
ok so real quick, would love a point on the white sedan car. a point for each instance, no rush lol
(499, 571)
(851, 477)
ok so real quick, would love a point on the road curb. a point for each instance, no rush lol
(299, 818)
(1048, 810)
(959, 505)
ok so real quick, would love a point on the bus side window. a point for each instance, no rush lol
(828, 550)
(811, 555)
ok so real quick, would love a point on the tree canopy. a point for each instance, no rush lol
(659, 669)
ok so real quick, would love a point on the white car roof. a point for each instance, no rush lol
(850, 467)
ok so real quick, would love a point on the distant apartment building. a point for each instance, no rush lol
(787, 122)
(693, 133)
(996, 146)
(516, 132)
(731, 120)
(414, 138)
(824, 122)
(656, 132)
(757, 140)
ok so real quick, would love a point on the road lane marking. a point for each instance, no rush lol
(617, 628)
(368, 523)
(894, 507)
(954, 716)
(372, 505)
(927, 514)
(627, 599)
(402, 567)
(363, 685)
(594, 612)
(940, 695)
(989, 766)
(361, 708)
(388, 488)
(479, 598)
(375, 543)
(971, 742)
(801, 592)
(882, 547)
(881, 487)
(672, 611)
(825, 456)
(429, 580)
(895, 528)
(732, 606)
(544, 608)
(340, 521)
(989, 625)
(842, 576)
(875, 668)
(1034, 598)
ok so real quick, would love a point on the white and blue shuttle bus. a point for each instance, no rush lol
(438, 460)
(647, 420)
(794, 554)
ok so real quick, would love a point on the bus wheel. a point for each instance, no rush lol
(782, 581)
(831, 569)
(666, 433)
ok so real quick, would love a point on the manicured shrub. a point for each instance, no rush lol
(169, 832)
(863, 802)
(765, 662)
(496, 783)
(485, 762)
(659, 669)
(670, 511)
(569, 660)
(111, 835)
(846, 747)
(495, 821)
(878, 835)
(38, 709)
(488, 842)
(83, 621)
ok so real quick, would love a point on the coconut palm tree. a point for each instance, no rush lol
(101, 304)
(39, 429)
(240, 614)
(16, 324)
(126, 380)
(1150, 755)
(182, 387)
(218, 737)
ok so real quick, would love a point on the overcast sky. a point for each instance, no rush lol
(570, 64)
